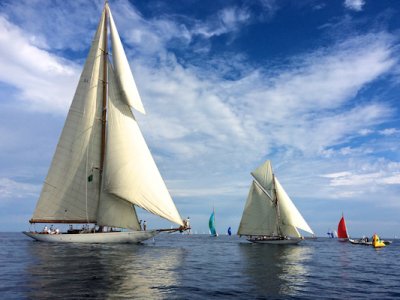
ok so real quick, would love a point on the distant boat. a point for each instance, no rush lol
(363, 241)
(211, 224)
(269, 215)
(343, 236)
(229, 231)
(332, 234)
(370, 242)
(102, 167)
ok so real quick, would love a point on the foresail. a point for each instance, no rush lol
(115, 212)
(123, 72)
(259, 215)
(130, 171)
(67, 194)
(265, 177)
(290, 217)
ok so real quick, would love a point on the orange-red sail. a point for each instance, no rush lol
(342, 230)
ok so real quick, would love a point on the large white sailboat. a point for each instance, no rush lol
(269, 215)
(102, 167)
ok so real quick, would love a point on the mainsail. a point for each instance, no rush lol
(342, 229)
(268, 210)
(66, 194)
(78, 188)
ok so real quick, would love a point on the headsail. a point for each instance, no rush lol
(129, 91)
(130, 171)
(66, 194)
(115, 212)
(290, 217)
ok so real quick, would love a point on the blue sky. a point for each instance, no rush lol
(311, 85)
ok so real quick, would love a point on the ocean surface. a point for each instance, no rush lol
(175, 266)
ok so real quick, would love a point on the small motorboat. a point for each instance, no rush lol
(363, 241)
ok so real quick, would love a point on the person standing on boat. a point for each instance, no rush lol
(188, 223)
(144, 225)
(140, 224)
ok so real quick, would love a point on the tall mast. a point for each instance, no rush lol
(278, 213)
(105, 90)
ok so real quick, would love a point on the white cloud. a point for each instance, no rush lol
(45, 82)
(365, 131)
(356, 5)
(389, 131)
(53, 26)
(11, 189)
(207, 132)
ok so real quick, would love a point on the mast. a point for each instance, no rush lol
(105, 90)
(278, 214)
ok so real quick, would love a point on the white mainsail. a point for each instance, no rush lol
(269, 211)
(259, 217)
(130, 93)
(265, 177)
(76, 190)
(66, 193)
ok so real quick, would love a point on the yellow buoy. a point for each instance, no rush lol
(376, 242)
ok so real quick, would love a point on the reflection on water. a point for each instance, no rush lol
(196, 267)
(101, 271)
(276, 270)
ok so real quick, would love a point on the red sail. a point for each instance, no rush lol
(342, 230)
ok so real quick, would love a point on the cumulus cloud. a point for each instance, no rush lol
(207, 130)
(45, 82)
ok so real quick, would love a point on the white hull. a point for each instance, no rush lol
(131, 237)
(286, 241)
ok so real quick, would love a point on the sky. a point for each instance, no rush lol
(311, 85)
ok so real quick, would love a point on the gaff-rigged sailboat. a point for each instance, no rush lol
(269, 215)
(102, 167)
(211, 224)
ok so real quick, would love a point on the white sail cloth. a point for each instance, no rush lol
(75, 191)
(66, 193)
(289, 214)
(269, 210)
(259, 217)
(130, 93)
(130, 171)
(265, 177)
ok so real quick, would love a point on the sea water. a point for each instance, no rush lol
(181, 266)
